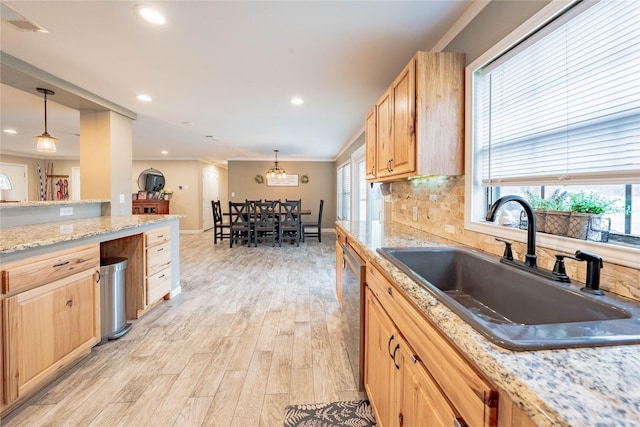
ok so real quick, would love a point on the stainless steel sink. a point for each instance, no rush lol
(516, 309)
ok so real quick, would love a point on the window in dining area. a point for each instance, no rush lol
(344, 192)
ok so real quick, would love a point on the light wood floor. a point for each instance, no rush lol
(255, 329)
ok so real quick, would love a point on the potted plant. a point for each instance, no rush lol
(587, 207)
(552, 214)
(540, 207)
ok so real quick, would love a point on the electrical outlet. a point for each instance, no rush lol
(450, 229)
(433, 197)
(66, 211)
(415, 213)
(122, 198)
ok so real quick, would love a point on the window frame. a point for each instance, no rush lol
(474, 198)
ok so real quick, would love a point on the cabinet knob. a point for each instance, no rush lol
(389, 346)
(390, 291)
(69, 303)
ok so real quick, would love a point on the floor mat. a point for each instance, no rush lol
(356, 413)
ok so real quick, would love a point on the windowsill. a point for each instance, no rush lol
(615, 254)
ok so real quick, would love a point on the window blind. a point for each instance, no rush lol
(565, 105)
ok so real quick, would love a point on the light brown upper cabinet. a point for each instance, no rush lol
(419, 120)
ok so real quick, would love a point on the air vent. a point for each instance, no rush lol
(18, 21)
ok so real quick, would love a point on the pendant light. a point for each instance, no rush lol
(46, 143)
(276, 170)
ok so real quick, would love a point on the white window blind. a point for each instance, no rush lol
(565, 104)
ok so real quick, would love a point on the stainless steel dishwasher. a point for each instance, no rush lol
(353, 283)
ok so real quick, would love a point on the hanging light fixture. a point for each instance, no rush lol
(46, 143)
(276, 170)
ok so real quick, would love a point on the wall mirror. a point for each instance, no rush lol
(151, 180)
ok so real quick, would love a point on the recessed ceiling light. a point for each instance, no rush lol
(145, 98)
(297, 101)
(11, 131)
(165, 152)
(150, 15)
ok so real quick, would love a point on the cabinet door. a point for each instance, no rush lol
(46, 328)
(422, 403)
(403, 153)
(380, 370)
(384, 134)
(370, 139)
(339, 271)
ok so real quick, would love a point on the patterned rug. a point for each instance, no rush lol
(356, 413)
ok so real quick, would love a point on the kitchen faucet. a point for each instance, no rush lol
(594, 262)
(530, 257)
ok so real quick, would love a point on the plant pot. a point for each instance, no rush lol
(541, 220)
(557, 222)
(579, 225)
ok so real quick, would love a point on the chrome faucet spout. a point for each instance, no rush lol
(530, 257)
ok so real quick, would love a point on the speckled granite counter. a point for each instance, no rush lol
(37, 203)
(572, 387)
(19, 238)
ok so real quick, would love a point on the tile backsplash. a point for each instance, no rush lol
(440, 203)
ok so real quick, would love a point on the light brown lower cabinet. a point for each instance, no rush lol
(413, 375)
(399, 386)
(47, 328)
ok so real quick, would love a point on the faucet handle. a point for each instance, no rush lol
(508, 254)
(559, 270)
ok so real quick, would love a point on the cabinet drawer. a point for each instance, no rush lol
(158, 257)
(158, 285)
(158, 236)
(471, 395)
(48, 268)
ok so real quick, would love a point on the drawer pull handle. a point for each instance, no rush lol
(61, 264)
(161, 249)
(160, 236)
(160, 277)
(69, 303)
(390, 291)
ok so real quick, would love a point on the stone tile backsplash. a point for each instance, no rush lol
(440, 203)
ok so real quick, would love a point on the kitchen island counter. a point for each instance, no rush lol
(20, 238)
(597, 386)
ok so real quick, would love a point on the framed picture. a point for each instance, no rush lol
(142, 195)
(290, 180)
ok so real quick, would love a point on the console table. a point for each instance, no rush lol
(158, 207)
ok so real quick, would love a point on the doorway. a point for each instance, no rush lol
(13, 177)
(210, 191)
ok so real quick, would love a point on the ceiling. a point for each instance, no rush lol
(221, 73)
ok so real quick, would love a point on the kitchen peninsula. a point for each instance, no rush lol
(50, 301)
(564, 387)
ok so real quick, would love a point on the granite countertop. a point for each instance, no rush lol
(13, 205)
(22, 237)
(597, 386)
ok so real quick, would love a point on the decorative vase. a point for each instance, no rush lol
(557, 222)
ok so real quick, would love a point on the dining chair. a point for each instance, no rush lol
(314, 226)
(240, 223)
(289, 227)
(265, 222)
(219, 224)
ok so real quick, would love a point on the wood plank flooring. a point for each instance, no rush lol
(254, 330)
